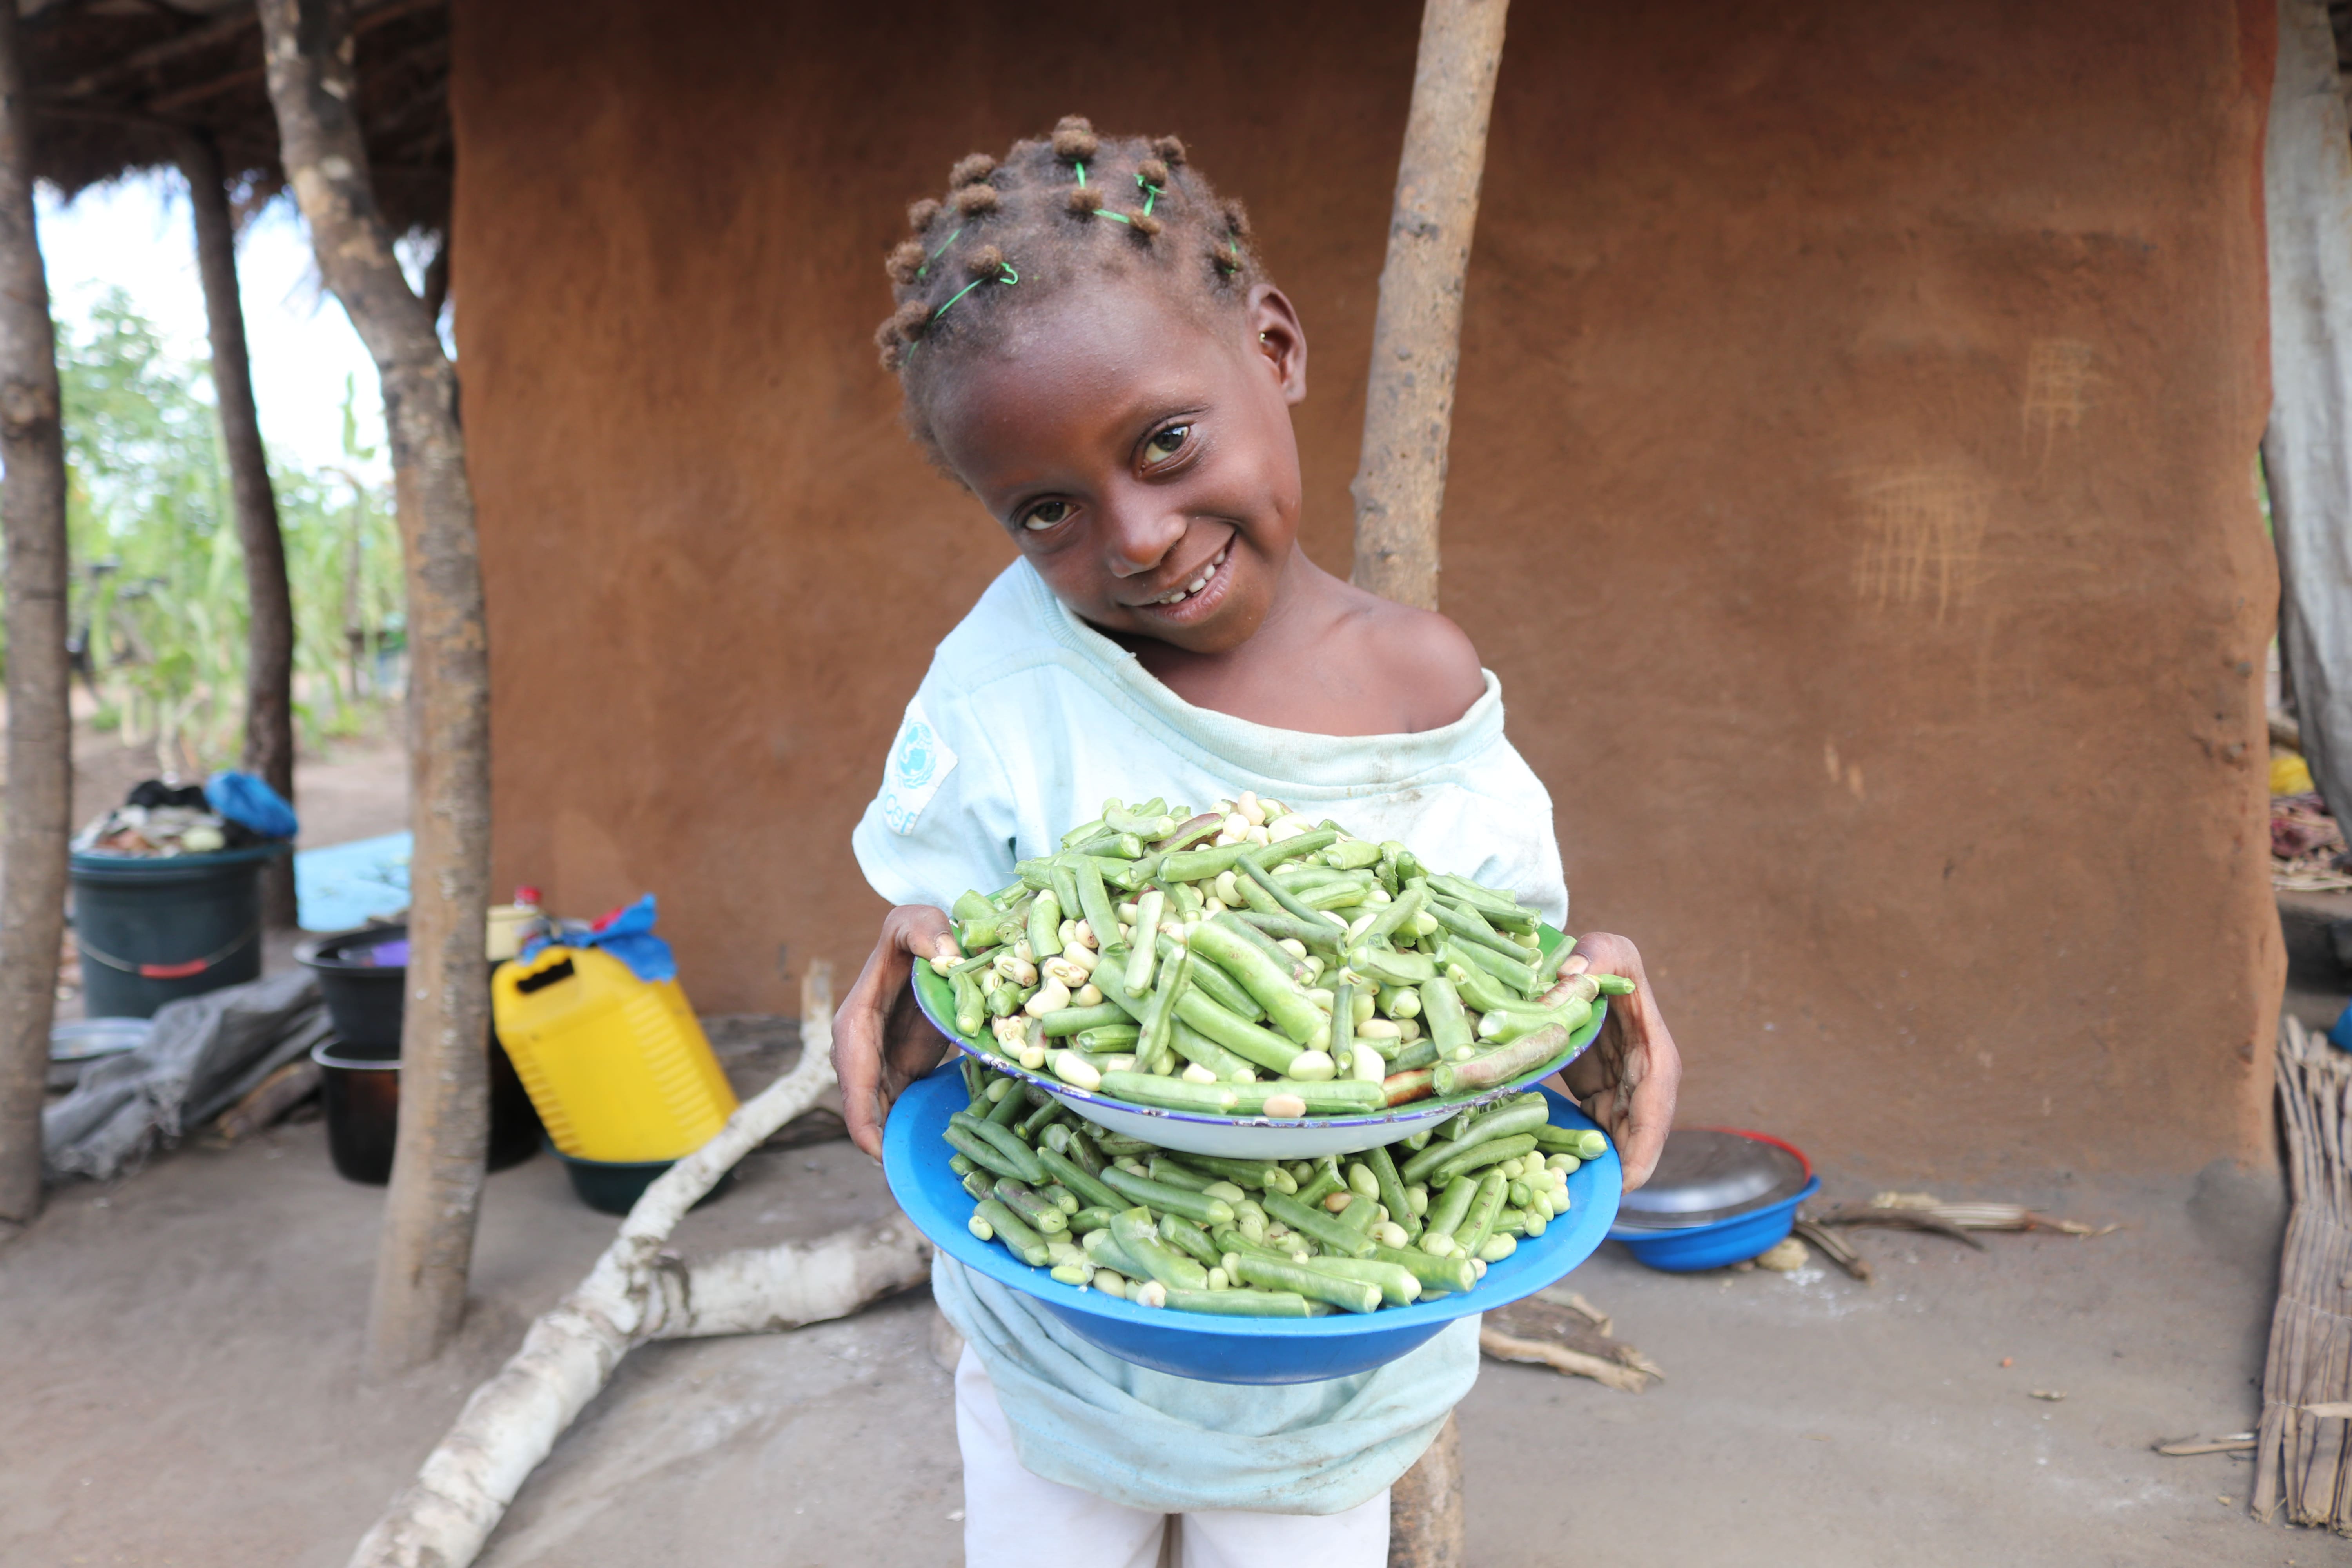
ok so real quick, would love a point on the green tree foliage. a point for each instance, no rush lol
(159, 583)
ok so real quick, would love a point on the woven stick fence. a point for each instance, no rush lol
(2303, 1451)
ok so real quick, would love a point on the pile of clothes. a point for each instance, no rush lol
(230, 811)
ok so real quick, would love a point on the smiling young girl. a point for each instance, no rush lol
(1086, 339)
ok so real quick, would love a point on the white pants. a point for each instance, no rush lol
(1014, 1519)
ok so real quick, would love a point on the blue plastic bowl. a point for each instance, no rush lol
(1727, 1241)
(1227, 1350)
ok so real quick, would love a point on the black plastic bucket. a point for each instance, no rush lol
(361, 1087)
(153, 931)
(362, 997)
(361, 1081)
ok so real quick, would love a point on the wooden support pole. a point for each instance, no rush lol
(437, 1173)
(270, 615)
(1400, 485)
(41, 722)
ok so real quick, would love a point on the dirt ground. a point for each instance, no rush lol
(182, 1391)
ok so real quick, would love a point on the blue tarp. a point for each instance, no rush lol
(341, 887)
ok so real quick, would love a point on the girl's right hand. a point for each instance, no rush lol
(881, 1041)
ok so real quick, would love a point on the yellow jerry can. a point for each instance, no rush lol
(618, 1067)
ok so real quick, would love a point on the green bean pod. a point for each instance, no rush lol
(1471, 928)
(1519, 978)
(1077, 1020)
(1349, 1295)
(970, 1005)
(1093, 1217)
(1152, 1048)
(1173, 1093)
(1484, 1210)
(1012, 1231)
(1150, 909)
(1008, 1146)
(1504, 1123)
(1261, 1174)
(966, 1141)
(1219, 986)
(1454, 1274)
(1046, 926)
(1240, 1303)
(1041, 1215)
(1192, 1240)
(1502, 1064)
(1262, 1046)
(1479, 1156)
(977, 1184)
(1298, 847)
(1191, 865)
(1445, 1214)
(1278, 923)
(1079, 1180)
(1205, 825)
(1094, 899)
(1399, 1286)
(1323, 1229)
(1167, 1199)
(1177, 1173)
(1256, 868)
(1137, 1237)
(1196, 1047)
(1384, 1172)
(1295, 968)
(1449, 1026)
(1583, 1142)
(1394, 968)
(1284, 1002)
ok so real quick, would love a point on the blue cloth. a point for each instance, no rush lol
(2340, 1032)
(630, 938)
(341, 887)
(243, 798)
(1171, 1445)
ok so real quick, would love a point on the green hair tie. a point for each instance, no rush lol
(950, 239)
(1007, 277)
(1151, 193)
(1081, 168)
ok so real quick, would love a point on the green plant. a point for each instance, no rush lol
(159, 590)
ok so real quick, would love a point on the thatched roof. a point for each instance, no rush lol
(116, 83)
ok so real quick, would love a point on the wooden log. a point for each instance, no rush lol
(637, 1293)
(39, 799)
(1400, 485)
(269, 613)
(1426, 1527)
(270, 1098)
(437, 1175)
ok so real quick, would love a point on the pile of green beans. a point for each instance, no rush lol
(1245, 962)
(1383, 1228)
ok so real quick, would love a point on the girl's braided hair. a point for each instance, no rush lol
(1071, 206)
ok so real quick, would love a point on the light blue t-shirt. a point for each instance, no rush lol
(1027, 720)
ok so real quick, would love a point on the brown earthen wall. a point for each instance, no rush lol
(1852, 486)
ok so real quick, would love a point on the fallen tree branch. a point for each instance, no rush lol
(635, 1294)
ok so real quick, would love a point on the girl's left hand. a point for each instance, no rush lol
(1628, 1079)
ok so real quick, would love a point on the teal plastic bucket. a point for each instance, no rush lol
(153, 931)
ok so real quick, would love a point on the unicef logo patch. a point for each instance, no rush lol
(920, 762)
(918, 756)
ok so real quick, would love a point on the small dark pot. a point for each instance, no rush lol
(361, 1087)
